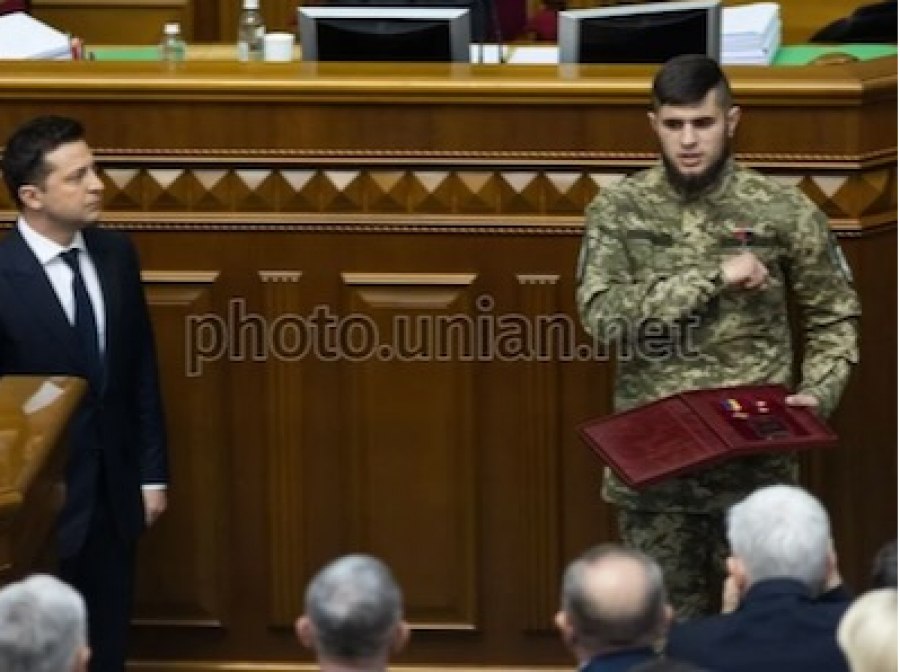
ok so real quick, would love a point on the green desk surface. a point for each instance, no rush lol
(123, 53)
(802, 54)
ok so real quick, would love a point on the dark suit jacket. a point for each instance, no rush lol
(620, 661)
(119, 426)
(777, 628)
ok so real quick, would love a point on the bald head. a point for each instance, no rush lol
(613, 598)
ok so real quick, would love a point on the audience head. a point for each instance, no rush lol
(867, 633)
(780, 531)
(884, 567)
(24, 157)
(354, 613)
(43, 627)
(612, 598)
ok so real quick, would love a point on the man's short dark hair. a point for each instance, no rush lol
(686, 80)
(24, 153)
(884, 567)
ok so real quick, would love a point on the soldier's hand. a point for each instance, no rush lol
(745, 270)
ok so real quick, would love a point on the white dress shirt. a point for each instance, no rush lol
(60, 275)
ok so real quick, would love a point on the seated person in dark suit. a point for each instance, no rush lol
(614, 609)
(784, 580)
(874, 23)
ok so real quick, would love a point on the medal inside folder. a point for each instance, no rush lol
(695, 429)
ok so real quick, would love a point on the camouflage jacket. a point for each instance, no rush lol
(650, 283)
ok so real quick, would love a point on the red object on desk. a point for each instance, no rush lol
(695, 429)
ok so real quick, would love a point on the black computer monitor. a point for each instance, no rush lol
(649, 33)
(376, 33)
(482, 13)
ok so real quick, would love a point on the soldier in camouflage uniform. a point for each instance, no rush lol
(701, 254)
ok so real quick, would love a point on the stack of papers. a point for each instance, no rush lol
(23, 36)
(751, 34)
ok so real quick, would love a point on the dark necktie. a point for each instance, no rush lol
(85, 321)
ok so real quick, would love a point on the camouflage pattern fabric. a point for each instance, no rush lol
(691, 550)
(650, 284)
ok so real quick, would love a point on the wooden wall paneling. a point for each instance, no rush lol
(407, 424)
(860, 476)
(116, 21)
(282, 336)
(541, 501)
(186, 590)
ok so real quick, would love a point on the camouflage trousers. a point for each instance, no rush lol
(691, 549)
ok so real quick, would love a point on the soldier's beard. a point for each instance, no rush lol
(692, 185)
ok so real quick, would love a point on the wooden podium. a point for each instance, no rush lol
(34, 414)
(403, 205)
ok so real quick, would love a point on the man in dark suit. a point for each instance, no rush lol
(783, 594)
(614, 609)
(72, 303)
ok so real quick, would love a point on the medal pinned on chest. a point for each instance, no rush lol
(743, 234)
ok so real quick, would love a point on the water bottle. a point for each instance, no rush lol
(172, 46)
(251, 30)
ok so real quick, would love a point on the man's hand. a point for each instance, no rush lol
(155, 502)
(745, 270)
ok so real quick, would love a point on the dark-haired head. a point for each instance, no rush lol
(686, 80)
(25, 151)
(884, 567)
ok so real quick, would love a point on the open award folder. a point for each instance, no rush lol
(692, 430)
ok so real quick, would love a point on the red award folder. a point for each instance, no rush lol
(694, 429)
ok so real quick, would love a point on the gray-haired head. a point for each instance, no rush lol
(782, 531)
(867, 633)
(43, 626)
(614, 597)
(355, 607)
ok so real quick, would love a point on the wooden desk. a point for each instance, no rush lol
(34, 414)
(284, 210)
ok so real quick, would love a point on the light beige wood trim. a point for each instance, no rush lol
(180, 277)
(409, 279)
(429, 82)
